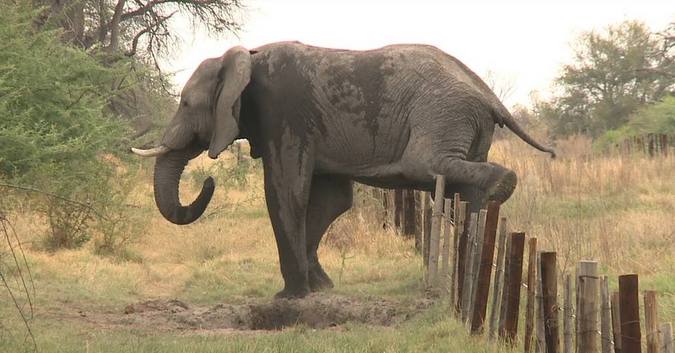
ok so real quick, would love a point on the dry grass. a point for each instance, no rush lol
(618, 210)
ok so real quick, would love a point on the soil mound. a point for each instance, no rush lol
(318, 310)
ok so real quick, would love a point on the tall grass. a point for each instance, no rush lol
(617, 209)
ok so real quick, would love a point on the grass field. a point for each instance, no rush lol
(617, 210)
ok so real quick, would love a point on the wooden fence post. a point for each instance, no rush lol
(616, 322)
(539, 312)
(485, 267)
(505, 291)
(409, 224)
(458, 253)
(568, 318)
(549, 280)
(444, 274)
(498, 283)
(651, 322)
(667, 337)
(630, 314)
(462, 254)
(398, 209)
(426, 229)
(435, 236)
(515, 273)
(468, 268)
(531, 289)
(587, 307)
(476, 258)
(606, 339)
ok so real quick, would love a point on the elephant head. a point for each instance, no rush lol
(207, 119)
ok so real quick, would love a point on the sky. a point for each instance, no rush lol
(522, 43)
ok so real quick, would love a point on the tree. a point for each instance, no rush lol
(137, 27)
(614, 72)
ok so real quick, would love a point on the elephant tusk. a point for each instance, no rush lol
(152, 152)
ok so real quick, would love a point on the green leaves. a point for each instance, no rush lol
(614, 72)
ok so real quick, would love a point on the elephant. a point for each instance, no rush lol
(320, 119)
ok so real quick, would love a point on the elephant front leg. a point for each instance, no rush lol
(287, 184)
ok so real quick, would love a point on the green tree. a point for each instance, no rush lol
(614, 72)
(56, 132)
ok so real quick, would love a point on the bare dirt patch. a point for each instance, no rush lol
(319, 310)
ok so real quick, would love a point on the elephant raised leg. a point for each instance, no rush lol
(288, 176)
(330, 196)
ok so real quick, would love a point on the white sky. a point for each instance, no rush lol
(522, 42)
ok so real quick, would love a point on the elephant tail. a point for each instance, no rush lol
(503, 117)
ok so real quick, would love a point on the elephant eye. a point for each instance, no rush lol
(184, 103)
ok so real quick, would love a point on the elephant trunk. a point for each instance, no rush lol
(168, 170)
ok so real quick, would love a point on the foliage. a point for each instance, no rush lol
(614, 72)
(654, 118)
(140, 28)
(56, 126)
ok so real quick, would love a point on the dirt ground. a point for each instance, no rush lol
(318, 310)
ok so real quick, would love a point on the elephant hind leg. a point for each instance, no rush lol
(490, 180)
(330, 196)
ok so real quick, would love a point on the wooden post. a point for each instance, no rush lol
(462, 254)
(485, 267)
(505, 291)
(476, 257)
(409, 224)
(531, 287)
(667, 337)
(455, 280)
(435, 236)
(616, 322)
(426, 230)
(398, 209)
(468, 268)
(549, 280)
(606, 338)
(515, 273)
(587, 307)
(539, 312)
(630, 314)
(444, 274)
(568, 318)
(499, 280)
(651, 322)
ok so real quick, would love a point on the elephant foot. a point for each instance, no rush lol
(293, 292)
(319, 280)
(503, 186)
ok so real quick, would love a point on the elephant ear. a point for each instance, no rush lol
(234, 75)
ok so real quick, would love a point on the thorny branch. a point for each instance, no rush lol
(25, 280)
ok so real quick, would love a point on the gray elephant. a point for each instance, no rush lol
(322, 118)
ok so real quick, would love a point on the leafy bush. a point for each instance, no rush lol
(55, 124)
(657, 118)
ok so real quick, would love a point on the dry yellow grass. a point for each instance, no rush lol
(615, 209)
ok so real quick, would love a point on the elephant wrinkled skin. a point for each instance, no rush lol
(320, 119)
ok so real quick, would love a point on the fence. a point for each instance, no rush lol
(648, 144)
(459, 258)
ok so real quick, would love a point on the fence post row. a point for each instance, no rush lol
(460, 266)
